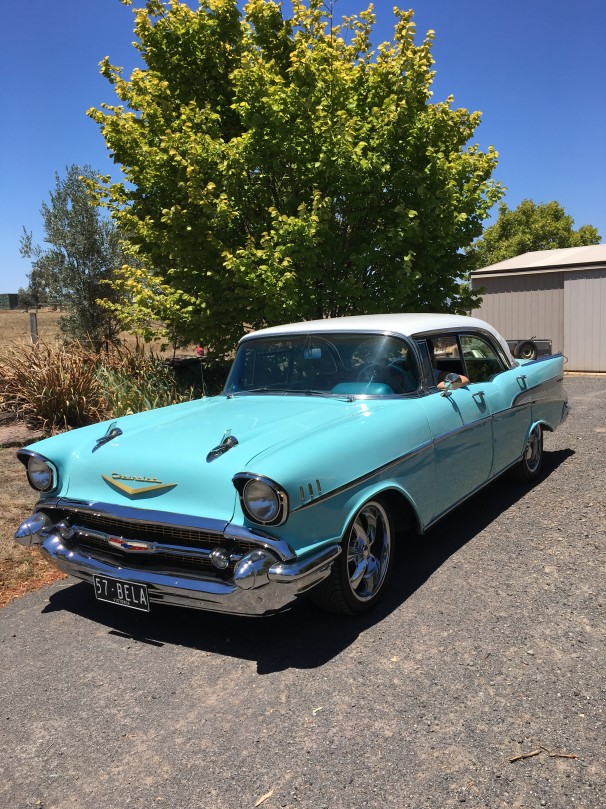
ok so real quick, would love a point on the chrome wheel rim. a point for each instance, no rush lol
(368, 551)
(533, 451)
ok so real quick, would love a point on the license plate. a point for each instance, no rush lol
(125, 593)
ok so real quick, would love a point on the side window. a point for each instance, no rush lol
(481, 358)
(444, 356)
(446, 351)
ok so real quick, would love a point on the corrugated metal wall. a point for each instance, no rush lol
(521, 306)
(585, 323)
(9, 300)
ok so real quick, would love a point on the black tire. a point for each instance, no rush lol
(361, 573)
(526, 350)
(529, 468)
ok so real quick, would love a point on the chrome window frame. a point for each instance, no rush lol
(435, 333)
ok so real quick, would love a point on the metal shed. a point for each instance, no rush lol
(8, 300)
(555, 294)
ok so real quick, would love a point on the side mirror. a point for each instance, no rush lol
(452, 382)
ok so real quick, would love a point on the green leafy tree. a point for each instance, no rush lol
(529, 227)
(32, 296)
(75, 270)
(280, 168)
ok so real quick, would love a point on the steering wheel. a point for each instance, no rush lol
(404, 375)
(369, 371)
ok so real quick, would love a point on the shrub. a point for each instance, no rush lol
(61, 387)
(51, 386)
(132, 382)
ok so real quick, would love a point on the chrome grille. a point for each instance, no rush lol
(184, 538)
(153, 532)
(165, 559)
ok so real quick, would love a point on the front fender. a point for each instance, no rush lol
(324, 519)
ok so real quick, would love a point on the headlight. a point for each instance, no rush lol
(263, 501)
(40, 474)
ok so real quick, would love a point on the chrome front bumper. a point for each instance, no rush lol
(262, 584)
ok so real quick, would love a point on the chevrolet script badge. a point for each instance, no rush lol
(154, 485)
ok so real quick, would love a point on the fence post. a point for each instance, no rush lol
(33, 326)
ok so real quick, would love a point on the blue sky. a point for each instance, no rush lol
(535, 69)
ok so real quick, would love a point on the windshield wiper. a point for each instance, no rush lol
(308, 391)
(284, 391)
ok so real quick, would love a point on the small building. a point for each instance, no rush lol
(558, 295)
(8, 300)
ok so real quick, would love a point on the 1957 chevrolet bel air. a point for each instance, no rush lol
(328, 436)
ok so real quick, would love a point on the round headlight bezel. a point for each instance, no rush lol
(41, 474)
(263, 501)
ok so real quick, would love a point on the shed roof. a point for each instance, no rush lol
(567, 258)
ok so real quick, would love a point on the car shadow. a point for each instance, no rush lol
(303, 637)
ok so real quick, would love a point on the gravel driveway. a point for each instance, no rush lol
(491, 646)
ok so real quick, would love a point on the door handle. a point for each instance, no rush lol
(479, 396)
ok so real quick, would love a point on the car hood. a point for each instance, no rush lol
(159, 461)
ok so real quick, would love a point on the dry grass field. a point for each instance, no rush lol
(14, 326)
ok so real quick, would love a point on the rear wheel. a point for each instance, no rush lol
(529, 467)
(359, 576)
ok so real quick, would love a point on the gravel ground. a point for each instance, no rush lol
(490, 646)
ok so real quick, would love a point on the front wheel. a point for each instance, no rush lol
(359, 576)
(529, 467)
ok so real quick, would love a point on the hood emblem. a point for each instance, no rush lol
(154, 485)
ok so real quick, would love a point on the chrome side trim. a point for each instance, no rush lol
(463, 428)
(542, 358)
(369, 475)
(353, 483)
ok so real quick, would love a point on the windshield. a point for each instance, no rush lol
(340, 364)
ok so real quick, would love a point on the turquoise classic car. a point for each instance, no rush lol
(328, 437)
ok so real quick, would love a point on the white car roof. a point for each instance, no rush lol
(406, 324)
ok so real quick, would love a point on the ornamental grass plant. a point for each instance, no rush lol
(54, 387)
(134, 381)
(59, 387)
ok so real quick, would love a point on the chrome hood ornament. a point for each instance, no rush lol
(111, 433)
(227, 442)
